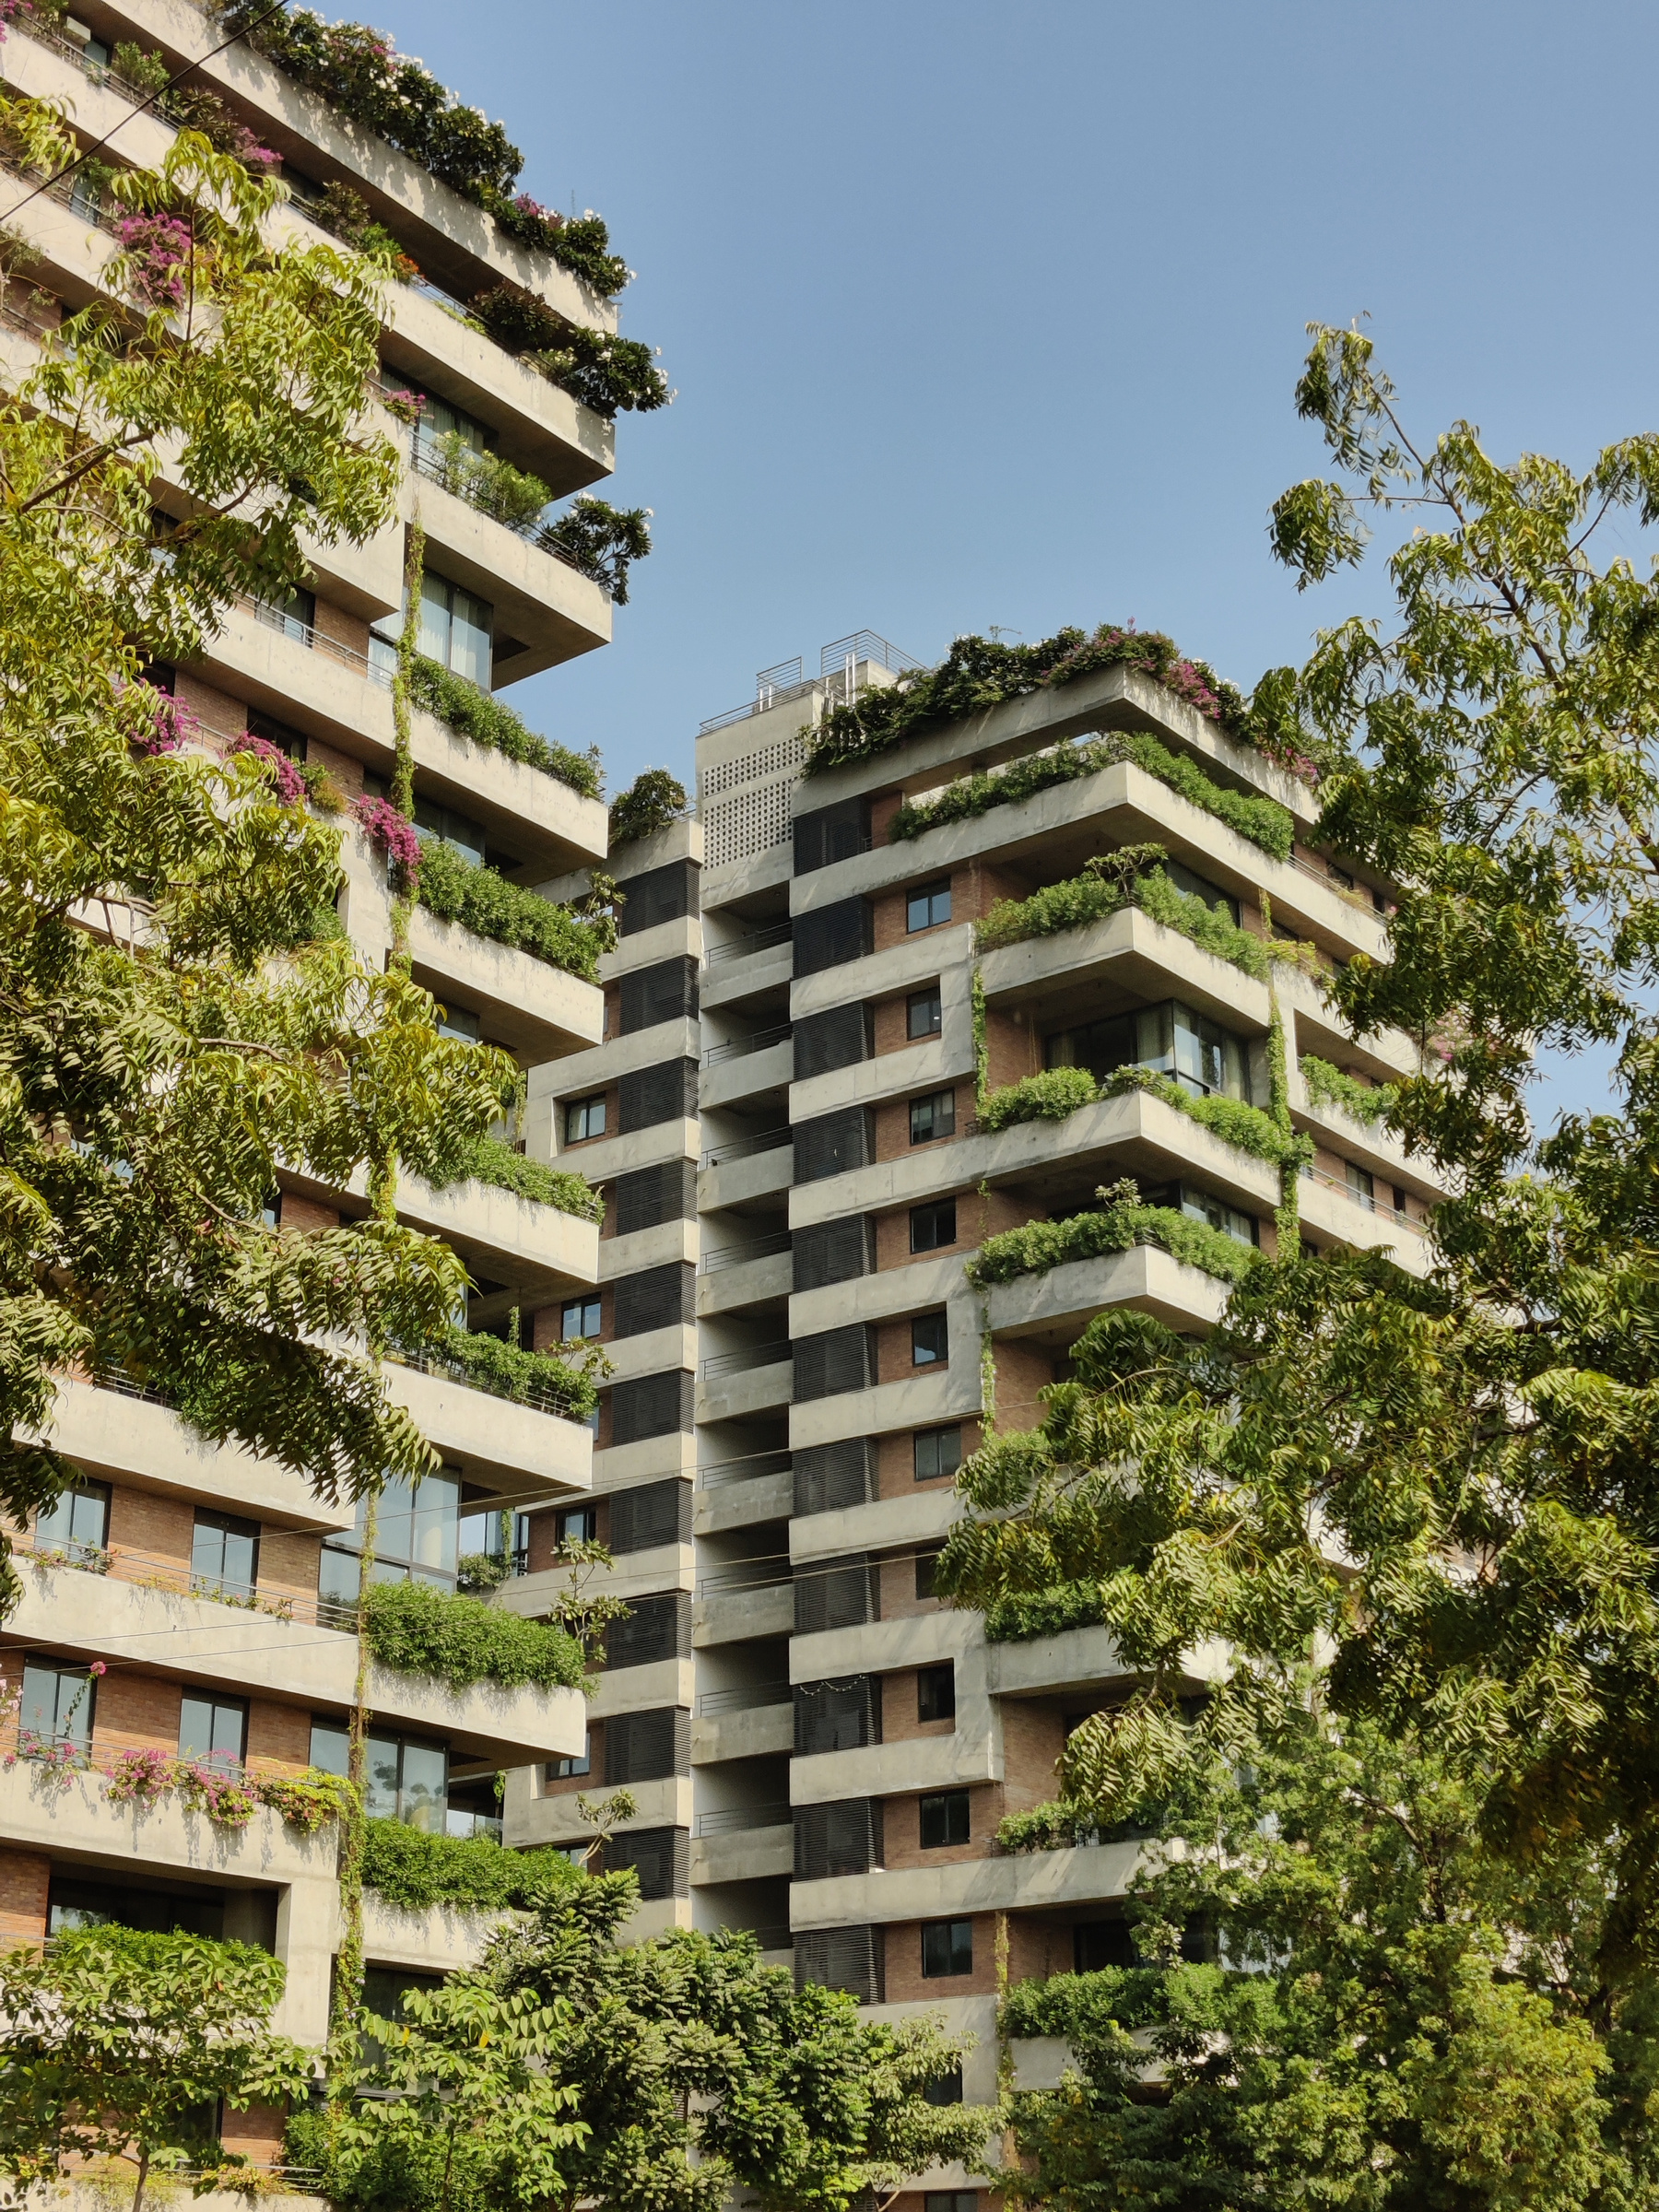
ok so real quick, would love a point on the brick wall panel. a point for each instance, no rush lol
(289, 1562)
(905, 1983)
(155, 1527)
(898, 1721)
(279, 1736)
(25, 1879)
(1034, 1738)
(901, 1831)
(896, 1463)
(133, 1711)
(892, 1126)
(1021, 1372)
(1013, 1049)
(346, 629)
(307, 1214)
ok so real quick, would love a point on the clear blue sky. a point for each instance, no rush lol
(990, 313)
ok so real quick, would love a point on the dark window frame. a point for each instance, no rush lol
(927, 1003)
(926, 897)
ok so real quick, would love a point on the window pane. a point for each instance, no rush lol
(437, 1509)
(78, 1521)
(935, 1692)
(337, 1579)
(927, 907)
(923, 1010)
(56, 1705)
(434, 637)
(929, 1343)
(212, 1729)
(470, 623)
(933, 1228)
(937, 1451)
(381, 1794)
(425, 1780)
(933, 1117)
(329, 1748)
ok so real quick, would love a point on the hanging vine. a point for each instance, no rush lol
(1286, 1216)
(402, 728)
(982, 1046)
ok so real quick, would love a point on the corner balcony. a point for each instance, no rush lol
(503, 1440)
(1026, 1882)
(1052, 977)
(734, 1612)
(740, 1496)
(162, 1627)
(554, 612)
(756, 1720)
(730, 1385)
(744, 1169)
(758, 965)
(747, 1067)
(735, 1277)
(1335, 1214)
(538, 1010)
(881, 1525)
(743, 1843)
(1054, 1309)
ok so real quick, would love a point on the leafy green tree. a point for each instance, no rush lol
(685, 2066)
(118, 2043)
(173, 1025)
(1387, 2016)
(1445, 1488)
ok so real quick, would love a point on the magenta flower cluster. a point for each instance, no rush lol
(161, 245)
(285, 775)
(384, 826)
(170, 722)
(9, 12)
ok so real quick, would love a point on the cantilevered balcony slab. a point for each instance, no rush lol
(881, 1525)
(1054, 1308)
(497, 1441)
(743, 1854)
(752, 1390)
(441, 1940)
(753, 1732)
(550, 610)
(1104, 966)
(743, 1615)
(1338, 1217)
(199, 1640)
(1023, 1882)
(539, 1010)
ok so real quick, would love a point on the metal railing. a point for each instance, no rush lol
(455, 1370)
(314, 639)
(739, 1255)
(837, 664)
(734, 1581)
(754, 1466)
(751, 1356)
(748, 1697)
(736, 1817)
(738, 1048)
(745, 1147)
(1367, 1200)
(866, 645)
(1352, 893)
(754, 940)
(147, 1573)
(536, 530)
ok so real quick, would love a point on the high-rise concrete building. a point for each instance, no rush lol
(213, 1588)
(785, 1113)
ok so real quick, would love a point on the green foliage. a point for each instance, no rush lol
(1060, 1092)
(1264, 821)
(119, 2044)
(1029, 1613)
(184, 1060)
(1052, 1096)
(579, 243)
(143, 68)
(1125, 1223)
(601, 542)
(494, 1162)
(609, 374)
(456, 889)
(412, 1871)
(691, 2069)
(1108, 884)
(508, 1370)
(1333, 1086)
(486, 721)
(651, 801)
(416, 1630)
(487, 481)
(979, 673)
(1401, 2020)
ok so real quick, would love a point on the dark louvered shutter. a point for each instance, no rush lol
(834, 1716)
(647, 1747)
(835, 1594)
(651, 1406)
(849, 1958)
(833, 1143)
(831, 833)
(839, 1360)
(660, 1856)
(834, 1252)
(657, 1298)
(838, 1037)
(830, 1478)
(667, 991)
(653, 1629)
(654, 1514)
(831, 936)
(666, 894)
(834, 1840)
(648, 1196)
(647, 1096)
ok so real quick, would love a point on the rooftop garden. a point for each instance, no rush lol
(979, 673)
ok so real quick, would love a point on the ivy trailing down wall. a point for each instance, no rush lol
(1331, 1085)
(1264, 821)
(360, 73)
(979, 673)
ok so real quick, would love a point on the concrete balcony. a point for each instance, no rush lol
(894, 1291)
(455, 240)
(680, 939)
(493, 1438)
(1051, 977)
(541, 1247)
(1054, 1308)
(652, 1352)
(944, 953)
(746, 1179)
(739, 1076)
(743, 1615)
(643, 1688)
(884, 1647)
(926, 1065)
(529, 1819)
(79, 1829)
(745, 1283)
(198, 1640)
(736, 981)
(1028, 1882)
(605, 1063)
(742, 1504)
(928, 1762)
(1370, 1143)
(730, 1398)
(553, 610)
(883, 1524)
(112, 1433)
(745, 1854)
(933, 1396)
(1334, 1215)
(602, 1159)
(442, 1941)
(539, 1010)
(751, 1731)
(634, 1574)
(1075, 1659)
(553, 826)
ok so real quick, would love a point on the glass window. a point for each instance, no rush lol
(438, 420)
(457, 1022)
(944, 1819)
(937, 1451)
(950, 2200)
(584, 1118)
(56, 1706)
(933, 1117)
(295, 614)
(1200, 886)
(576, 1524)
(935, 1692)
(947, 1949)
(926, 1563)
(1198, 1205)
(580, 1318)
(451, 829)
(922, 1012)
(407, 1778)
(933, 1226)
(929, 1342)
(1361, 1185)
(574, 1763)
(1170, 1039)
(947, 2089)
(456, 629)
(78, 1523)
(224, 1556)
(213, 1729)
(416, 1540)
(927, 907)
